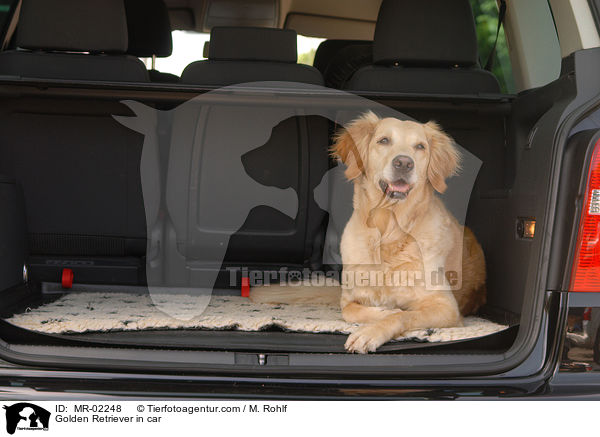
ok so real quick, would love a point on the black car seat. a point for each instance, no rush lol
(149, 31)
(328, 49)
(425, 47)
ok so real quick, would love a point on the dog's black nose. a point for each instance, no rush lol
(403, 162)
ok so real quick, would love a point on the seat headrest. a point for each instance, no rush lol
(425, 33)
(149, 28)
(73, 25)
(328, 49)
(252, 44)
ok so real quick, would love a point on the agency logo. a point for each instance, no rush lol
(26, 417)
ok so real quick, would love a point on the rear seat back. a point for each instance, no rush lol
(425, 47)
(79, 168)
(346, 62)
(339, 59)
(293, 154)
(329, 48)
(54, 35)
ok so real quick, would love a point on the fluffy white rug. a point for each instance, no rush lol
(97, 312)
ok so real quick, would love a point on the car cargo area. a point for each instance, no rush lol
(477, 124)
(142, 210)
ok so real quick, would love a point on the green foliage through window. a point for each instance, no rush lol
(486, 21)
(6, 7)
(307, 57)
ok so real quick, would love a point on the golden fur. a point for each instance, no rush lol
(386, 236)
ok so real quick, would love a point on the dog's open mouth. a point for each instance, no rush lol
(397, 189)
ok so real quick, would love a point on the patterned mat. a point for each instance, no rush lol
(102, 312)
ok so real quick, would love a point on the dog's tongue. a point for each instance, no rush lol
(399, 186)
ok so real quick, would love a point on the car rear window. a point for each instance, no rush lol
(6, 10)
(486, 20)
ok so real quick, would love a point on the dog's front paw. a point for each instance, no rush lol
(365, 339)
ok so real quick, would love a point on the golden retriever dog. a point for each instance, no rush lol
(407, 262)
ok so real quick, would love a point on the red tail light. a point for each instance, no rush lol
(587, 314)
(585, 275)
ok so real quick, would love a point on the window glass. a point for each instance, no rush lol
(486, 20)
(187, 48)
(307, 47)
(6, 7)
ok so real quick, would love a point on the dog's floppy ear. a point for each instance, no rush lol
(350, 145)
(444, 158)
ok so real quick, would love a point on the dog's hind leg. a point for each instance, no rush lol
(297, 294)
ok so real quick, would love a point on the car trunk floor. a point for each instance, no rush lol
(135, 317)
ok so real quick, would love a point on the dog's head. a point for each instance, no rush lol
(397, 156)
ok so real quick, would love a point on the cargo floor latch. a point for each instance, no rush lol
(261, 359)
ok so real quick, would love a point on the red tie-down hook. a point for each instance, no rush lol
(67, 278)
(245, 287)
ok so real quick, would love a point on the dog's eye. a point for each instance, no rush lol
(420, 146)
(384, 140)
